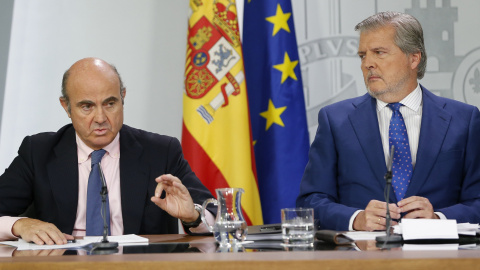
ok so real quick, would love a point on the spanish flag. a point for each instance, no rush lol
(216, 135)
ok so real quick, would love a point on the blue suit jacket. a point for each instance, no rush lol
(346, 165)
(46, 172)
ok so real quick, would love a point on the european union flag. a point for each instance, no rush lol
(276, 103)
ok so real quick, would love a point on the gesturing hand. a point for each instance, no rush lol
(177, 202)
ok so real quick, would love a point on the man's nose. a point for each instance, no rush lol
(100, 116)
(368, 62)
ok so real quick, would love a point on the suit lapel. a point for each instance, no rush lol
(133, 181)
(62, 172)
(435, 123)
(368, 135)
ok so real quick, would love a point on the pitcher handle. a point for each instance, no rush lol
(204, 208)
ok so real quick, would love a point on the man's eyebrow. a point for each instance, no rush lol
(84, 102)
(109, 99)
(373, 49)
(379, 49)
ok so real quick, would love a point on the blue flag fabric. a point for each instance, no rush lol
(276, 103)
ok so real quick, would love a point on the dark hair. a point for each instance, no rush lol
(408, 34)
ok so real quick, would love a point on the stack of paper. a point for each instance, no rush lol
(123, 240)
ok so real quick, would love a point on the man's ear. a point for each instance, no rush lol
(64, 104)
(415, 59)
(123, 93)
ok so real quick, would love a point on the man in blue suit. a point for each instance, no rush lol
(440, 157)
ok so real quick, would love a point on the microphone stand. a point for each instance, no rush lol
(394, 239)
(105, 246)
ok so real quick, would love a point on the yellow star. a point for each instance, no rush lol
(273, 115)
(287, 68)
(280, 20)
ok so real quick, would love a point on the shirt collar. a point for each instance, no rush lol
(113, 149)
(412, 101)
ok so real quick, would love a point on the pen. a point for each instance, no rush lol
(68, 241)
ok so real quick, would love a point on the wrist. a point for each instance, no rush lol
(196, 222)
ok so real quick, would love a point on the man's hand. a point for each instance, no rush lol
(417, 207)
(373, 217)
(177, 202)
(39, 232)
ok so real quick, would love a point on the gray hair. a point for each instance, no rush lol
(408, 34)
(65, 79)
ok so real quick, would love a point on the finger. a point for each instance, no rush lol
(57, 236)
(45, 237)
(68, 236)
(159, 189)
(421, 214)
(381, 221)
(159, 202)
(169, 177)
(414, 214)
(376, 204)
(408, 200)
(418, 204)
(35, 239)
(53, 234)
(177, 188)
(395, 211)
(375, 212)
(376, 223)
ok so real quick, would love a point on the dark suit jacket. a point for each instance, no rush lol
(46, 172)
(346, 165)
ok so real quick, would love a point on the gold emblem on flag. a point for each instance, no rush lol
(226, 19)
(211, 56)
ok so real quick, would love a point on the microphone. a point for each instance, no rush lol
(389, 238)
(104, 244)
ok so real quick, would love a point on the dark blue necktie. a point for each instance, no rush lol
(402, 159)
(94, 199)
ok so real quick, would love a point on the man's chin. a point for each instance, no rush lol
(375, 92)
(101, 141)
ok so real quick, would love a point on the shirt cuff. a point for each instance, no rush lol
(202, 228)
(6, 225)
(440, 215)
(350, 224)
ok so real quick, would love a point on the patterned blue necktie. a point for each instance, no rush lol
(402, 159)
(94, 199)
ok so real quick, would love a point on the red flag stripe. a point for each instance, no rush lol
(203, 166)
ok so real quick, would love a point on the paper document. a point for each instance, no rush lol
(23, 245)
(414, 229)
(467, 229)
(361, 235)
(123, 240)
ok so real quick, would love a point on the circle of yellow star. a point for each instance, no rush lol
(287, 68)
(280, 20)
(273, 115)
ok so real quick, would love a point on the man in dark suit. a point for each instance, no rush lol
(440, 157)
(52, 169)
